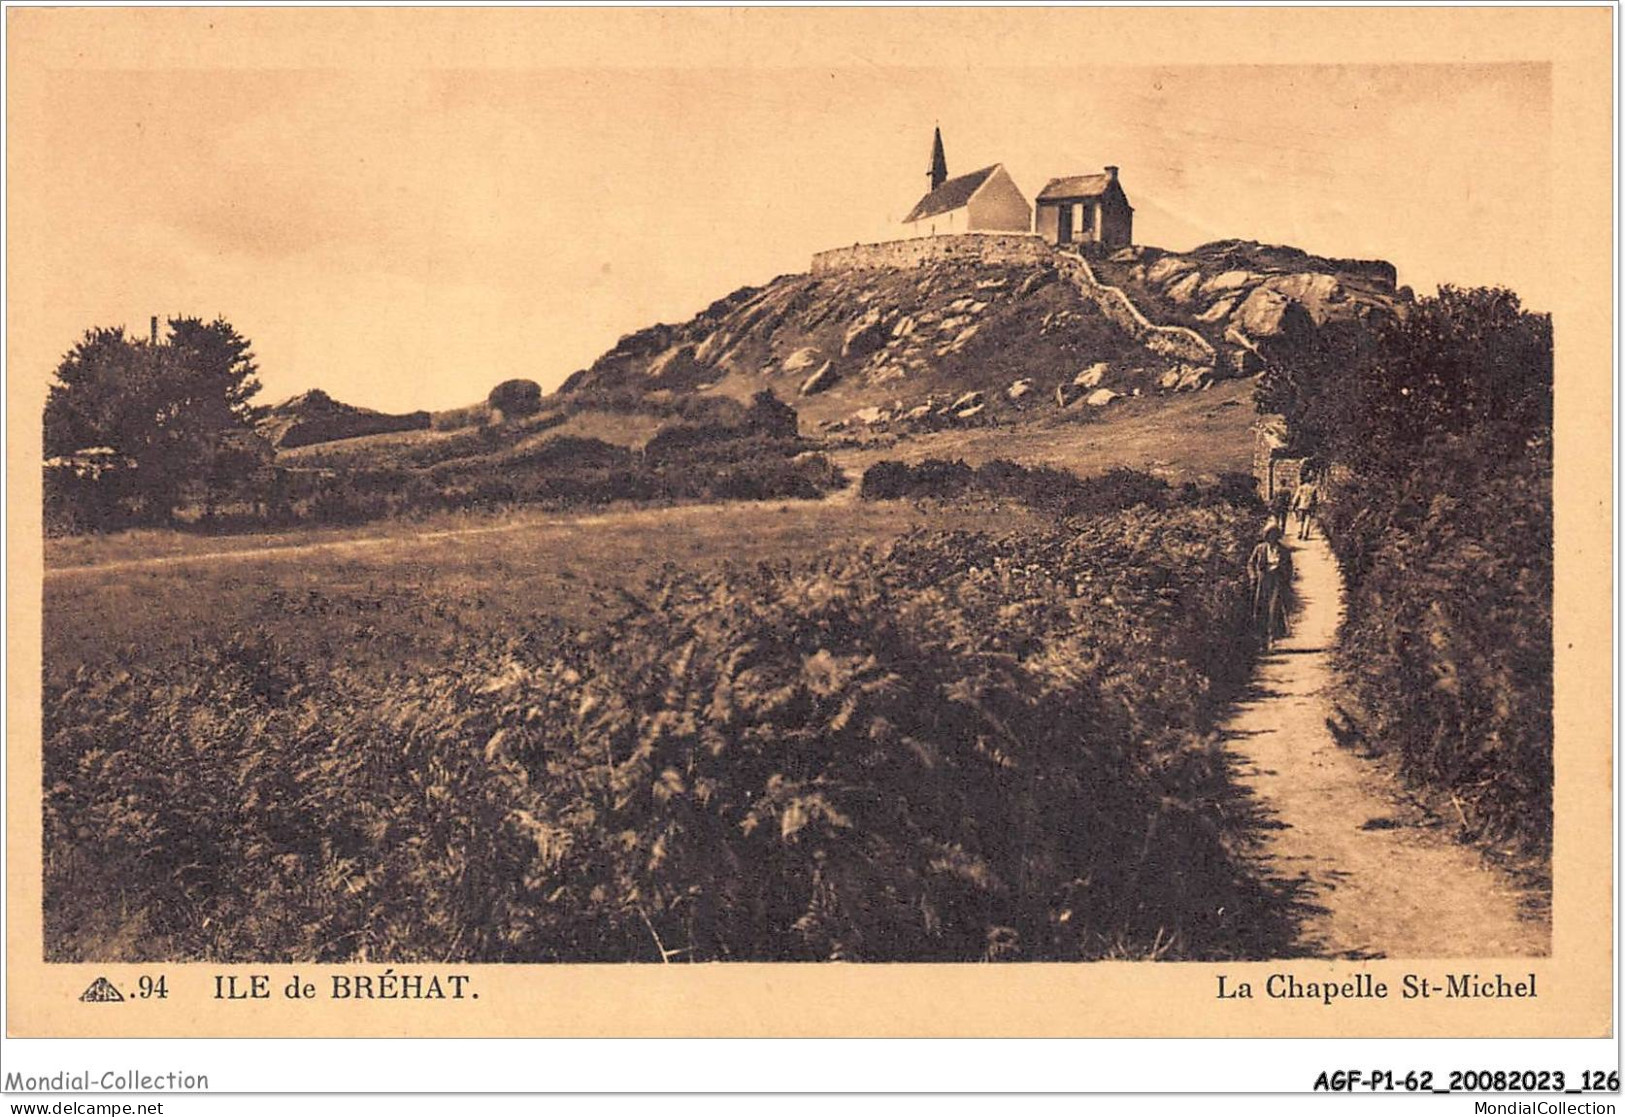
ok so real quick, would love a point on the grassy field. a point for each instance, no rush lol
(394, 593)
(1188, 437)
(953, 745)
(895, 729)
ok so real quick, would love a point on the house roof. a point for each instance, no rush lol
(1074, 186)
(953, 194)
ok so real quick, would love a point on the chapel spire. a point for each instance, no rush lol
(939, 161)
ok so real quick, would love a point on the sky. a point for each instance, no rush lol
(404, 210)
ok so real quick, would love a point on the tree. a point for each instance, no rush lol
(1469, 361)
(1318, 386)
(166, 411)
(1464, 362)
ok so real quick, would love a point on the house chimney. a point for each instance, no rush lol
(154, 329)
(1111, 174)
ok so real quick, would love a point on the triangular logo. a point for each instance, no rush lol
(101, 991)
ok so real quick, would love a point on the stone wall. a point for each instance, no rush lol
(1275, 467)
(986, 248)
(1176, 342)
(1284, 475)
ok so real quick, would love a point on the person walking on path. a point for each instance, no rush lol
(1269, 571)
(1280, 506)
(1304, 503)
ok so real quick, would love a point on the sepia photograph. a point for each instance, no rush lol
(507, 499)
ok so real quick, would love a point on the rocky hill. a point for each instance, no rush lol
(1257, 299)
(963, 340)
(317, 417)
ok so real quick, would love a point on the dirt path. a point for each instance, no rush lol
(1369, 881)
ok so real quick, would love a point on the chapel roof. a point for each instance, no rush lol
(951, 195)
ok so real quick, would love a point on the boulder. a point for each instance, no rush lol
(1317, 292)
(713, 347)
(871, 416)
(1100, 397)
(864, 336)
(1169, 380)
(1184, 290)
(970, 412)
(1240, 362)
(1125, 255)
(1219, 311)
(923, 411)
(965, 335)
(802, 358)
(1019, 389)
(1067, 394)
(1169, 268)
(821, 381)
(1041, 278)
(1193, 378)
(994, 284)
(1268, 313)
(1234, 280)
(676, 363)
(1092, 376)
(969, 399)
(904, 327)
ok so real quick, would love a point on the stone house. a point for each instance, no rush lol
(1089, 210)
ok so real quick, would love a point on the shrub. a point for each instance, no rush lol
(515, 398)
(1438, 506)
(890, 480)
(768, 415)
(1058, 492)
(959, 748)
(1450, 590)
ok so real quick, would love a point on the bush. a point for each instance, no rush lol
(768, 415)
(1057, 492)
(1438, 505)
(959, 748)
(515, 398)
(1450, 591)
(74, 503)
(891, 480)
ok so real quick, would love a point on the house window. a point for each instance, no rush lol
(1082, 216)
